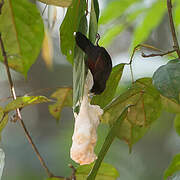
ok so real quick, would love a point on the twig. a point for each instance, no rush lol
(19, 117)
(159, 54)
(73, 177)
(176, 45)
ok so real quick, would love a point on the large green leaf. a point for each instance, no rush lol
(22, 33)
(167, 79)
(79, 68)
(152, 17)
(61, 3)
(173, 167)
(146, 109)
(93, 23)
(64, 99)
(70, 25)
(114, 10)
(106, 172)
(176, 13)
(170, 105)
(111, 86)
(21, 102)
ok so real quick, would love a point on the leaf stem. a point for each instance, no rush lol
(18, 113)
(176, 45)
(107, 143)
(158, 54)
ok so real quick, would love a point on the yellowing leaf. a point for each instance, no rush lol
(146, 109)
(61, 3)
(21, 102)
(47, 49)
(64, 99)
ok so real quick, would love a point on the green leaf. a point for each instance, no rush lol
(93, 24)
(61, 3)
(177, 14)
(112, 32)
(170, 105)
(3, 119)
(71, 24)
(79, 70)
(107, 143)
(22, 33)
(167, 79)
(64, 99)
(156, 12)
(54, 178)
(21, 102)
(106, 172)
(111, 86)
(146, 109)
(114, 10)
(173, 167)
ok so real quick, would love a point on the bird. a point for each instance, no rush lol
(98, 61)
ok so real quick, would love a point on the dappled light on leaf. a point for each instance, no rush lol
(146, 109)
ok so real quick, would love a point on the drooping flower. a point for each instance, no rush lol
(86, 123)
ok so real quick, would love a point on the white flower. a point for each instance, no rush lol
(86, 123)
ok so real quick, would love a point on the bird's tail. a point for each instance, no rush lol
(83, 42)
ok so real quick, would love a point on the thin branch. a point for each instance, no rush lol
(158, 54)
(19, 117)
(73, 177)
(176, 45)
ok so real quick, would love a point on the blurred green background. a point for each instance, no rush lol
(149, 157)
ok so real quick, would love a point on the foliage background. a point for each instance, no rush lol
(150, 156)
